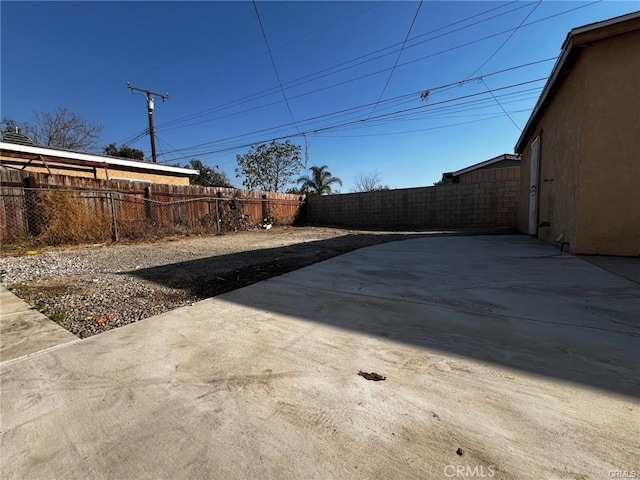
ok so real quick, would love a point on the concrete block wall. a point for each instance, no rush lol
(484, 204)
(491, 175)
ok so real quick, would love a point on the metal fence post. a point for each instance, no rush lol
(147, 202)
(266, 211)
(218, 226)
(114, 230)
(31, 211)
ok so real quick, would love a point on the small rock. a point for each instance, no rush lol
(460, 452)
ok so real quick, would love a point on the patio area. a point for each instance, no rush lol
(502, 357)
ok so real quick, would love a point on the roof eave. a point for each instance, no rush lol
(491, 161)
(570, 49)
(97, 159)
(555, 73)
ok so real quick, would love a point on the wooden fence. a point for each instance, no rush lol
(57, 209)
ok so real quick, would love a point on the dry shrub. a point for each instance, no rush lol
(136, 229)
(66, 218)
(234, 217)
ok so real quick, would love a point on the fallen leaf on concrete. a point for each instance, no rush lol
(371, 376)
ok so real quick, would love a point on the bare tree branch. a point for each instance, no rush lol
(64, 129)
(368, 182)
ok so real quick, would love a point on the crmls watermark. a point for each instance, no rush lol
(479, 471)
(623, 474)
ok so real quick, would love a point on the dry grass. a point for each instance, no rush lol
(66, 219)
(73, 217)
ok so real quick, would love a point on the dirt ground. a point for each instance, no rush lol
(95, 288)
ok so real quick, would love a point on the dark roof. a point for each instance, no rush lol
(486, 163)
(16, 137)
(577, 39)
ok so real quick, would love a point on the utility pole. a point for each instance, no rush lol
(150, 96)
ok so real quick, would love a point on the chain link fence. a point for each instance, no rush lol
(66, 217)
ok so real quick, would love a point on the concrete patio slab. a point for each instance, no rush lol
(24, 331)
(626, 267)
(488, 344)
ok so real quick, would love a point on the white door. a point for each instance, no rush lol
(533, 187)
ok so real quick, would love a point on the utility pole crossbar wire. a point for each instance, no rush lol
(150, 96)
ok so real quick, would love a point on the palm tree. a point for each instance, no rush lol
(319, 182)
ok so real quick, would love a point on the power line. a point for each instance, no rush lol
(454, 84)
(400, 118)
(395, 64)
(489, 90)
(293, 83)
(361, 107)
(395, 119)
(407, 115)
(310, 120)
(387, 69)
(170, 152)
(437, 103)
(198, 46)
(493, 116)
(445, 111)
(507, 39)
(237, 147)
(276, 47)
(344, 82)
(264, 35)
(349, 123)
(135, 138)
(183, 54)
(238, 102)
(500, 105)
(161, 152)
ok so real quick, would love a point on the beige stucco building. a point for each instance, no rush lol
(33, 158)
(580, 149)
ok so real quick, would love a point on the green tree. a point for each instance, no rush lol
(207, 176)
(319, 182)
(123, 152)
(269, 166)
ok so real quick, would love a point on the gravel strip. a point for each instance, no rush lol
(92, 289)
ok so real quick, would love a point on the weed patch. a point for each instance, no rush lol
(40, 306)
(58, 315)
(66, 219)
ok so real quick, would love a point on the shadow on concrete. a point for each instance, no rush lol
(507, 300)
(212, 276)
(626, 267)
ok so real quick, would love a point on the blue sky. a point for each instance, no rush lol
(333, 59)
